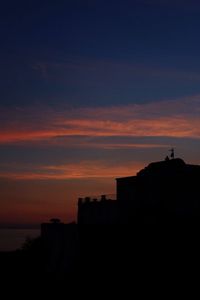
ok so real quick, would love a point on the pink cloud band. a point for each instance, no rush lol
(179, 118)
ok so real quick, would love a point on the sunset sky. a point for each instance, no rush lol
(91, 90)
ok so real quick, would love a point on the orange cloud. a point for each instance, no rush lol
(172, 127)
(82, 170)
(123, 145)
(167, 119)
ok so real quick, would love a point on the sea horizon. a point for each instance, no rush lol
(20, 226)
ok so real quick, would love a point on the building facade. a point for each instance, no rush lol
(165, 191)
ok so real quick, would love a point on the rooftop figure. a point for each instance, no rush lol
(172, 153)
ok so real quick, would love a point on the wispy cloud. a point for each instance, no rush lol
(82, 170)
(80, 126)
(89, 72)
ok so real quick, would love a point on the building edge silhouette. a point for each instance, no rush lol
(163, 195)
(163, 192)
(160, 208)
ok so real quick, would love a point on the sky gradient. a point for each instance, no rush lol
(92, 90)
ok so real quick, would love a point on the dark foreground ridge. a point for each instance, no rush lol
(160, 207)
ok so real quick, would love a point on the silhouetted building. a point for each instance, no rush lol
(163, 193)
(61, 244)
(97, 211)
(166, 191)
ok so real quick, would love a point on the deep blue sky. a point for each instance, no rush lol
(98, 52)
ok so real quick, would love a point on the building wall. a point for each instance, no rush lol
(160, 196)
(97, 212)
(62, 245)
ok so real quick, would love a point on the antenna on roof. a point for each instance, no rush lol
(172, 153)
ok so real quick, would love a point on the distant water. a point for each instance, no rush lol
(12, 239)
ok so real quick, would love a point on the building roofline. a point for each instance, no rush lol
(119, 178)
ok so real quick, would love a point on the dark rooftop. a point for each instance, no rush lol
(167, 167)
